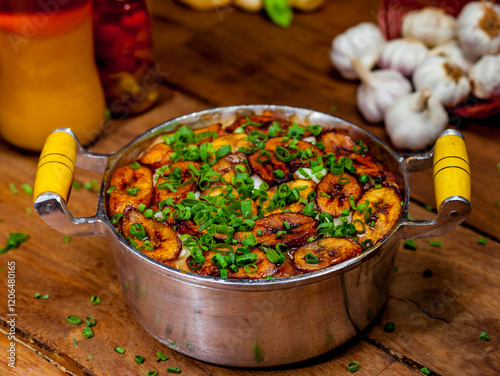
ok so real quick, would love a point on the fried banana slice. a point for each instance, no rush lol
(132, 187)
(264, 269)
(265, 170)
(207, 134)
(304, 187)
(385, 208)
(295, 163)
(157, 156)
(178, 176)
(324, 253)
(236, 141)
(300, 228)
(259, 123)
(164, 240)
(333, 197)
(226, 166)
(342, 145)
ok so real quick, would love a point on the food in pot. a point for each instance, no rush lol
(260, 197)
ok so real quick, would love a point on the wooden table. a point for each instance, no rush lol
(230, 57)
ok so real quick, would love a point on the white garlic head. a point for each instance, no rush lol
(454, 54)
(485, 77)
(378, 90)
(403, 55)
(415, 120)
(478, 28)
(432, 26)
(447, 82)
(364, 41)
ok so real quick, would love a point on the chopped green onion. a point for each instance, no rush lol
(120, 350)
(311, 239)
(133, 191)
(173, 370)
(74, 320)
(40, 296)
(434, 243)
(429, 208)
(76, 185)
(135, 165)
(425, 371)
(344, 180)
(137, 231)
(161, 357)
(87, 332)
(95, 300)
(481, 241)
(272, 256)
(152, 373)
(139, 359)
(352, 367)
(264, 157)
(116, 218)
(148, 213)
(90, 321)
(278, 174)
(27, 188)
(141, 207)
(76, 343)
(13, 189)
(368, 243)
(389, 327)
(259, 232)
(484, 337)
(223, 273)
(110, 189)
(410, 244)
(29, 211)
(281, 234)
(223, 151)
(311, 259)
(251, 268)
(14, 240)
(363, 179)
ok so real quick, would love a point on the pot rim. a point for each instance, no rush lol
(250, 284)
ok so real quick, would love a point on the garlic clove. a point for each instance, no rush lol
(378, 90)
(403, 55)
(485, 77)
(454, 54)
(448, 82)
(433, 26)
(415, 120)
(249, 5)
(478, 28)
(364, 41)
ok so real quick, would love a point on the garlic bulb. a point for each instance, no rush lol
(454, 54)
(430, 25)
(403, 55)
(364, 41)
(448, 82)
(249, 5)
(485, 77)
(378, 90)
(478, 28)
(415, 120)
(306, 5)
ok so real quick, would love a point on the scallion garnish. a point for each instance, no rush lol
(14, 240)
(139, 359)
(135, 165)
(87, 332)
(410, 244)
(116, 218)
(482, 241)
(13, 189)
(95, 300)
(40, 296)
(74, 320)
(425, 371)
(120, 350)
(133, 191)
(173, 370)
(152, 373)
(484, 337)
(311, 259)
(435, 243)
(27, 188)
(352, 367)
(90, 321)
(368, 243)
(161, 357)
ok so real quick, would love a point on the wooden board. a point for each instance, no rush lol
(230, 57)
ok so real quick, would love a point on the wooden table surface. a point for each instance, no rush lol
(229, 57)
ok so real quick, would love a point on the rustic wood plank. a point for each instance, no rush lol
(27, 362)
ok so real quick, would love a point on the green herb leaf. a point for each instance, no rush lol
(424, 370)
(279, 11)
(14, 240)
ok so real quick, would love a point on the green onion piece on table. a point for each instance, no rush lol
(74, 320)
(279, 12)
(352, 366)
(120, 350)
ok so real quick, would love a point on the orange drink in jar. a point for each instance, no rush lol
(48, 76)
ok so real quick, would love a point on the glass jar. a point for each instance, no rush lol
(48, 74)
(124, 55)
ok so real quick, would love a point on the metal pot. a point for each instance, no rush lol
(253, 323)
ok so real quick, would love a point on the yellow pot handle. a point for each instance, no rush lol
(56, 166)
(451, 169)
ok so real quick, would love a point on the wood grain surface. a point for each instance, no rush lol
(229, 57)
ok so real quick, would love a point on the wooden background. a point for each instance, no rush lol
(229, 57)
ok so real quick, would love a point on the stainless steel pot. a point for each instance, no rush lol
(249, 323)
